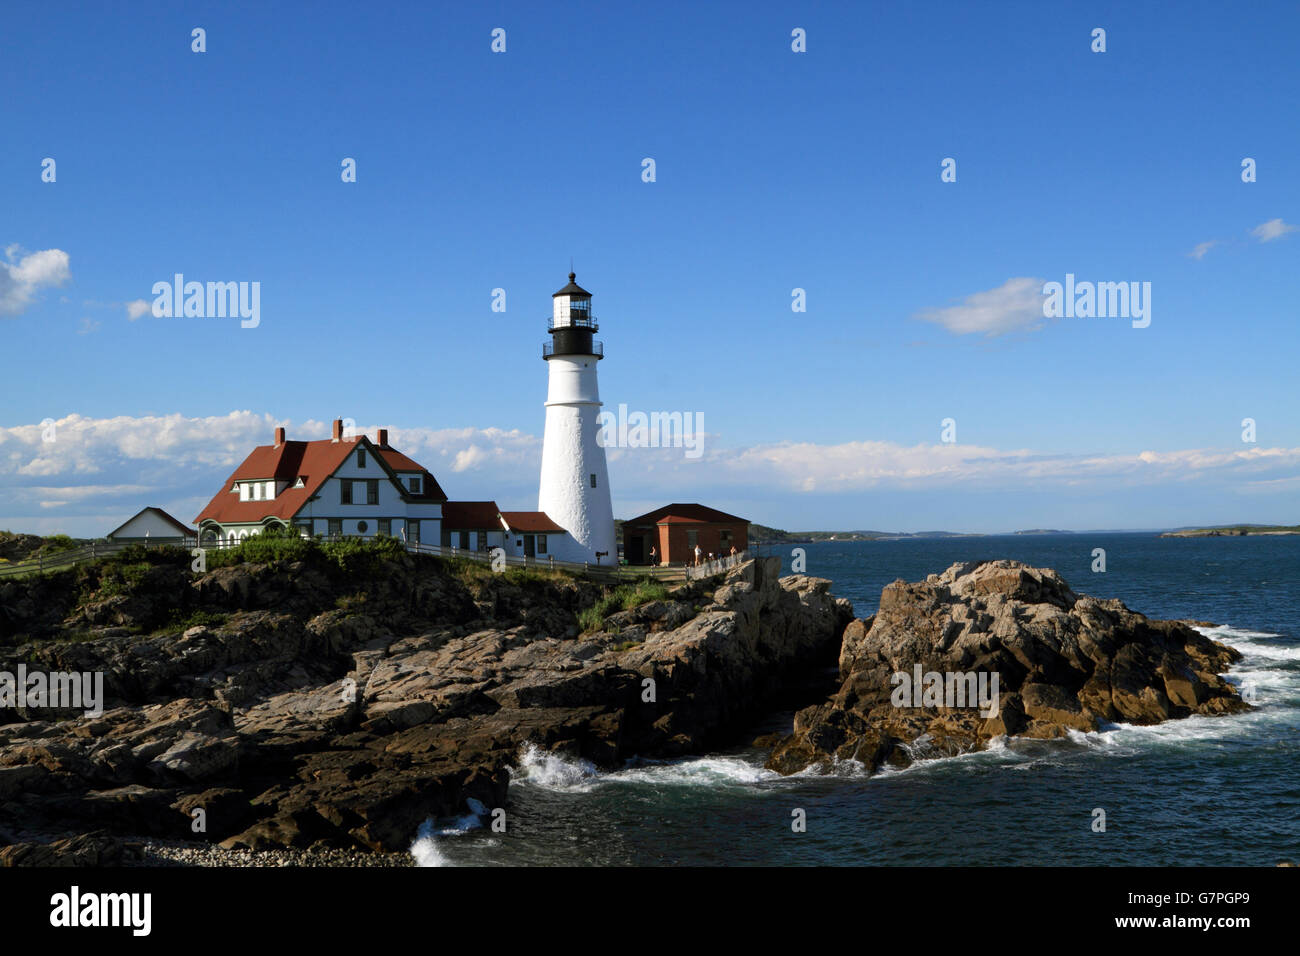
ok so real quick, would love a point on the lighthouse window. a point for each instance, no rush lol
(593, 481)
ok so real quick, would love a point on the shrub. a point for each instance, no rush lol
(273, 544)
(59, 542)
(352, 556)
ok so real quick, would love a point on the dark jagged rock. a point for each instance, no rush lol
(1064, 662)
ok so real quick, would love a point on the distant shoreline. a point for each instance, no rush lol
(1228, 532)
(770, 536)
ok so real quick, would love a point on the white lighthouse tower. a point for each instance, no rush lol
(575, 482)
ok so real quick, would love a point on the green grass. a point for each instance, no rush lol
(476, 573)
(197, 619)
(622, 598)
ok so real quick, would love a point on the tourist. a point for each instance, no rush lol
(654, 557)
(698, 554)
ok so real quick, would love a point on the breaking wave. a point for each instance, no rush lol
(426, 850)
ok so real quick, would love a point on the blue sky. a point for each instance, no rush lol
(775, 170)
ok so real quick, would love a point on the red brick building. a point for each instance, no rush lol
(675, 530)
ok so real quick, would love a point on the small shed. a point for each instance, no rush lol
(675, 531)
(152, 526)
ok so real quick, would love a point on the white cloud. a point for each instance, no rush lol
(115, 466)
(20, 280)
(1016, 305)
(1202, 248)
(1273, 229)
(137, 308)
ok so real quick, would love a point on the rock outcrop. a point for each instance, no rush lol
(1062, 661)
(303, 719)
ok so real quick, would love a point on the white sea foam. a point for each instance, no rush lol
(699, 771)
(566, 774)
(426, 849)
(1253, 643)
(552, 771)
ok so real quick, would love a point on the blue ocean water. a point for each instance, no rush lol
(1199, 791)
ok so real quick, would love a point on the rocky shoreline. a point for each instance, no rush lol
(299, 719)
(321, 714)
(1000, 648)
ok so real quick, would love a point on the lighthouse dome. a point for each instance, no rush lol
(572, 289)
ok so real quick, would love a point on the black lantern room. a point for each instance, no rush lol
(572, 324)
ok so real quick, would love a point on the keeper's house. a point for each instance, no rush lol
(332, 487)
(355, 487)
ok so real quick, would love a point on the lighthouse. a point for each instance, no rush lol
(574, 489)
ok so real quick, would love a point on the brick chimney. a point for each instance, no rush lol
(279, 437)
(338, 430)
(383, 438)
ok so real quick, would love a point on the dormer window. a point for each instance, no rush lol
(415, 484)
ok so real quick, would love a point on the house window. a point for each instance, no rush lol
(386, 526)
(345, 492)
(270, 490)
(464, 540)
(361, 458)
(372, 491)
(593, 481)
(304, 528)
(257, 491)
(692, 539)
(415, 484)
(336, 527)
(413, 532)
(541, 544)
(362, 527)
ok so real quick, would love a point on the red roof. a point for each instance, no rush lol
(313, 461)
(397, 461)
(685, 514)
(531, 522)
(470, 516)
